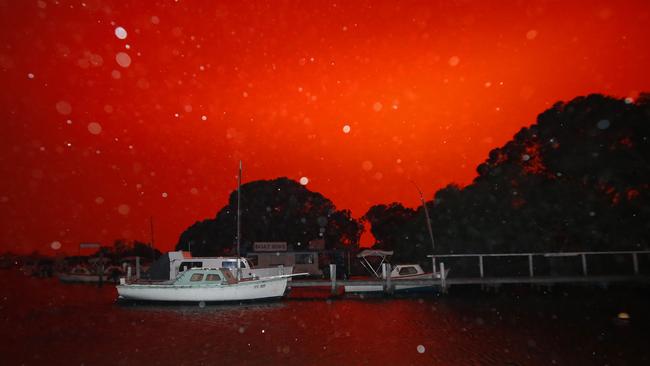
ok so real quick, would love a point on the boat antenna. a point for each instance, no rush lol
(426, 213)
(239, 219)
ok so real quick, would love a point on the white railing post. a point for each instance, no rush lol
(333, 278)
(530, 265)
(480, 264)
(443, 278)
(433, 262)
(584, 264)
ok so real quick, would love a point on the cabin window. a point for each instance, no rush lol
(212, 277)
(196, 277)
(187, 265)
(233, 264)
(407, 271)
(304, 259)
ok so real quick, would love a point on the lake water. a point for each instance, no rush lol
(48, 323)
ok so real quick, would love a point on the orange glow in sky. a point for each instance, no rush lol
(116, 111)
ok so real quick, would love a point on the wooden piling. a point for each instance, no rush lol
(101, 268)
(137, 267)
(388, 286)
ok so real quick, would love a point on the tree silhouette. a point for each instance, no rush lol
(273, 210)
(576, 180)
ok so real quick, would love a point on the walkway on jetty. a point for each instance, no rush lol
(542, 269)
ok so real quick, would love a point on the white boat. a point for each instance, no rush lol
(207, 285)
(399, 272)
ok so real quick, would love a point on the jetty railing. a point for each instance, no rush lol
(634, 256)
(582, 272)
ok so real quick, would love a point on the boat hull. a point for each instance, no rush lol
(242, 291)
(70, 278)
(380, 288)
(398, 288)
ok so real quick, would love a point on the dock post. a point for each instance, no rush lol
(137, 267)
(530, 265)
(584, 264)
(128, 273)
(480, 265)
(101, 269)
(433, 262)
(443, 277)
(388, 287)
(333, 278)
(635, 262)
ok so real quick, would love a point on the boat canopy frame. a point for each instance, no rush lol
(374, 253)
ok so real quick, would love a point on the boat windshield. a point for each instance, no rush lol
(233, 264)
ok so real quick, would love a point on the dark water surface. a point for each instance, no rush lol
(44, 322)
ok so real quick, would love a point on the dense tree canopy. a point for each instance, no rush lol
(123, 248)
(576, 180)
(273, 210)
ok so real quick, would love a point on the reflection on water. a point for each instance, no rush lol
(47, 322)
(199, 309)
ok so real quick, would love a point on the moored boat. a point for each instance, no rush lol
(207, 285)
(83, 274)
(398, 273)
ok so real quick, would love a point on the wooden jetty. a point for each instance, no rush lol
(532, 277)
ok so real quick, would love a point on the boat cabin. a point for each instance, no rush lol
(406, 270)
(185, 264)
(205, 276)
(170, 265)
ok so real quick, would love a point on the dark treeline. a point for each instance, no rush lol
(575, 180)
(123, 248)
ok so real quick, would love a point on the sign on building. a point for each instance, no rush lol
(89, 245)
(270, 246)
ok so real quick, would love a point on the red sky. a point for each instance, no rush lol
(93, 145)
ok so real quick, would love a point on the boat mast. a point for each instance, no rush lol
(239, 220)
(153, 250)
(426, 213)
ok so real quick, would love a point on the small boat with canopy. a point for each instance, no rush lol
(372, 260)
